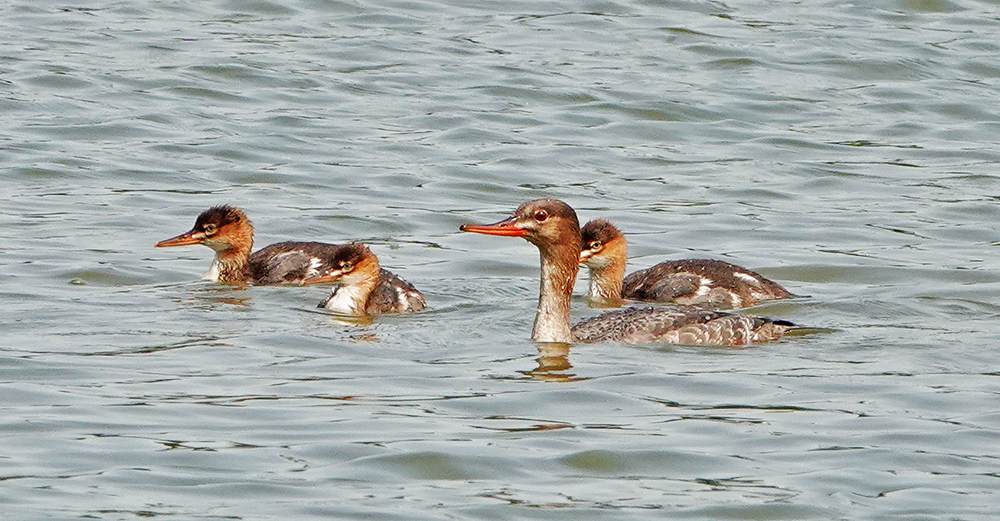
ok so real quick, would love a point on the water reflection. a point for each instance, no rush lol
(219, 295)
(553, 362)
(351, 320)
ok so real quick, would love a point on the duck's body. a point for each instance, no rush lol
(643, 325)
(288, 262)
(363, 287)
(688, 282)
(553, 227)
(229, 232)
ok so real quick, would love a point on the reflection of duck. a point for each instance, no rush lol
(553, 364)
(687, 282)
(228, 231)
(363, 288)
(552, 226)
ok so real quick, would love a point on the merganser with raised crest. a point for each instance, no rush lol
(364, 288)
(228, 231)
(553, 227)
(688, 282)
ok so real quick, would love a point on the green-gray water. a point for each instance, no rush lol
(848, 151)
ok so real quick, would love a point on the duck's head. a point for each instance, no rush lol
(602, 244)
(220, 228)
(547, 223)
(350, 264)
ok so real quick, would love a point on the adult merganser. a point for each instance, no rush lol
(363, 288)
(227, 230)
(553, 227)
(687, 282)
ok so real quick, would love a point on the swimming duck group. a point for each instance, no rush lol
(699, 291)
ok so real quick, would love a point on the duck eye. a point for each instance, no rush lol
(210, 228)
(346, 266)
(596, 245)
(541, 215)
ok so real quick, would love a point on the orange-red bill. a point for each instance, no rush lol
(184, 239)
(506, 228)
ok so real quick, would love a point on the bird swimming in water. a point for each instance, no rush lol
(363, 287)
(552, 226)
(688, 282)
(228, 231)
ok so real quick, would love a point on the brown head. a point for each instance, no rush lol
(603, 244)
(221, 228)
(549, 224)
(351, 264)
(605, 253)
(552, 226)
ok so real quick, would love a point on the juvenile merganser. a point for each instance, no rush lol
(553, 227)
(363, 288)
(228, 231)
(687, 282)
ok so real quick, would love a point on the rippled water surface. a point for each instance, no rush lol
(848, 151)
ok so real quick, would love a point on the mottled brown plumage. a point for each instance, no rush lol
(640, 325)
(689, 282)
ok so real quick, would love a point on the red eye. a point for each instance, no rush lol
(541, 215)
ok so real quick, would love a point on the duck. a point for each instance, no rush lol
(227, 230)
(553, 227)
(688, 282)
(363, 287)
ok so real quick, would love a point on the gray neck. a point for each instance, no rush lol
(228, 268)
(552, 318)
(606, 285)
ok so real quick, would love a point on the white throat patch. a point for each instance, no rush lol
(345, 300)
(213, 272)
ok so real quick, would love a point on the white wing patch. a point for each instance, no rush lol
(746, 277)
(408, 300)
(401, 299)
(704, 287)
(314, 264)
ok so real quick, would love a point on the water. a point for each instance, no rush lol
(848, 151)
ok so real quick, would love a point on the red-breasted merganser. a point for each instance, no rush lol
(688, 282)
(227, 230)
(363, 288)
(553, 227)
